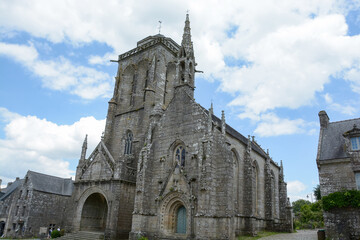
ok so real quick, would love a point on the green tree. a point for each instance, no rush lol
(298, 204)
(317, 193)
(307, 214)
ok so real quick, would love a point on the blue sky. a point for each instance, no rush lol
(271, 68)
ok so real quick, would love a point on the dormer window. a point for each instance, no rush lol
(355, 143)
(354, 136)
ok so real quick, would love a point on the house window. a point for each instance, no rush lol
(357, 179)
(355, 143)
(128, 143)
(17, 211)
(180, 156)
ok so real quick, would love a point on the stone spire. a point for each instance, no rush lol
(186, 43)
(84, 148)
(281, 170)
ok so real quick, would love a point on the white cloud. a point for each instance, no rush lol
(353, 76)
(40, 145)
(295, 187)
(271, 125)
(60, 74)
(292, 47)
(104, 60)
(344, 109)
(298, 190)
(291, 64)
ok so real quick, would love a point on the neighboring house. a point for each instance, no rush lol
(6, 199)
(37, 201)
(338, 161)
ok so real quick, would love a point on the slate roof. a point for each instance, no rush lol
(332, 142)
(237, 135)
(10, 189)
(51, 184)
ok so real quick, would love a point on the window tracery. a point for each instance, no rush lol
(128, 143)
(180, 156)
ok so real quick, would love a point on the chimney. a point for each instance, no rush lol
(0, 184)
(324, 119)
(9, 184)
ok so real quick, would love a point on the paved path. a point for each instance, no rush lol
(300, 235)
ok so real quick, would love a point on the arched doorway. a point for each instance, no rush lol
(94, 213)
(181, 220)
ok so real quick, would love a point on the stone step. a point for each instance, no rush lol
(83, 235)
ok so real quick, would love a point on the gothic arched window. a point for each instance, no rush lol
(180, 156)
(128, 143)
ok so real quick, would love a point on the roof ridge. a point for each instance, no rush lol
(347, 120)
(48, 175)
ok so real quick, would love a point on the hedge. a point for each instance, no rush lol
(343, 199)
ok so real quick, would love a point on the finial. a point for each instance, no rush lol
(102, 136)
(211, 110)
(84, 148)
(248, 147)
(85, 142)
(223, 124)
(159, 26)
(267, 152)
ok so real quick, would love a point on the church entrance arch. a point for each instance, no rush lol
(94, 213)
(174, 215)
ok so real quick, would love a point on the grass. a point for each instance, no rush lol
(259, 235)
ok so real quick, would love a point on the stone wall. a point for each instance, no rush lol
(342, 224)
(32, 210)
(336, 175)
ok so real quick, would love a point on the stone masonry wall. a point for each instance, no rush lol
(336, 175)
(342, 224)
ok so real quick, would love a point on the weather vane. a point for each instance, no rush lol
(160, 26)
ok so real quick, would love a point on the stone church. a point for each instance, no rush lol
(167, 168)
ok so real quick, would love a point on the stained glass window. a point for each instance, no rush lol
(180, 155)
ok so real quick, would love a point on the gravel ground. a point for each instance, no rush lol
(300, 235)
